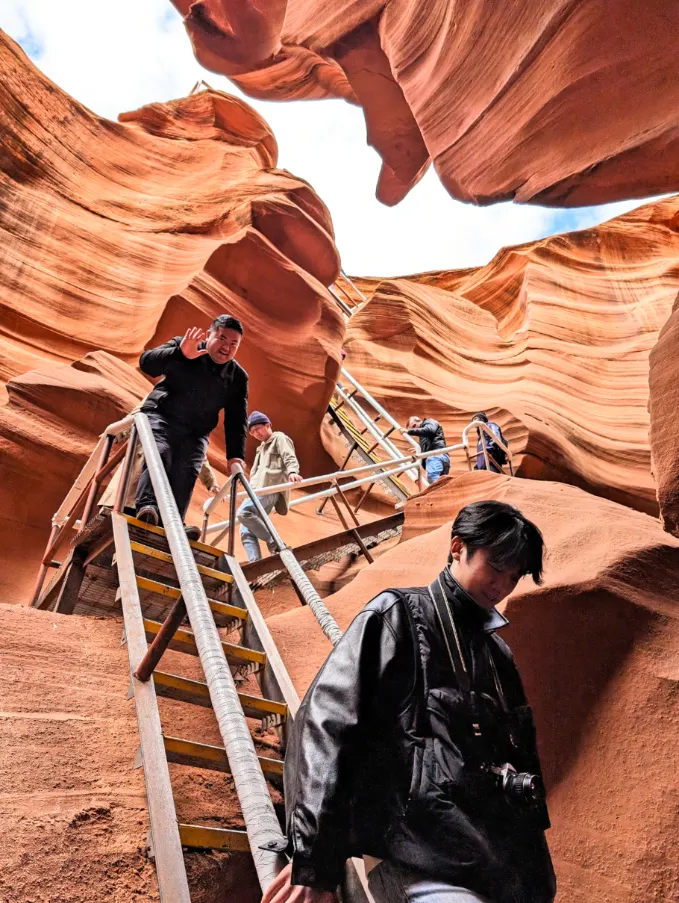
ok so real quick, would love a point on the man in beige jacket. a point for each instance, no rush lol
(275, 462)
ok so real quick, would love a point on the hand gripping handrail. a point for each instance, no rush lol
(258, 812)
(321, 613)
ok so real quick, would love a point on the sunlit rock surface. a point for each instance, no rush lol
(553, 102)
(117, 235)
(552, 339)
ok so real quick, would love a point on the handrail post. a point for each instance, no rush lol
(231, 545)
(362, 546)
(40, 579)
(161, 641)
(233, 498)
(126, 471)
(96, 479)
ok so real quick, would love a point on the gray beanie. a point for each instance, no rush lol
(257, 418)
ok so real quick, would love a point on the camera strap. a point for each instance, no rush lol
(451, 638)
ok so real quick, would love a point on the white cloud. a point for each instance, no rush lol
(116, 57)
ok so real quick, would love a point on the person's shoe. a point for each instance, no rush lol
(192, 533)
(149, 515)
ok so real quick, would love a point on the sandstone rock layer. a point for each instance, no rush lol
(558, 102)
(551, 338)
(115, 236)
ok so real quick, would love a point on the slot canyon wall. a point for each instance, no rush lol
(552, 338)
(117, 235)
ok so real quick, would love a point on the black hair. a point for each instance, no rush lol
(226, 321)
(481, 416)
(512, 540)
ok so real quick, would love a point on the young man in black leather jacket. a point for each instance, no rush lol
(415, 747)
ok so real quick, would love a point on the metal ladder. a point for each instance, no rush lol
(157, 576)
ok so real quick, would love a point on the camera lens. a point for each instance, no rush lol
(524, 785)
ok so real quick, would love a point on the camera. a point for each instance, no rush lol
(519, 786)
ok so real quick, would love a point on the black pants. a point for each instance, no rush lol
(182, 455)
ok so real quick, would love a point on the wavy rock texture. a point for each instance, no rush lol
(115, 236)
(597, 645)
(558, 102)
(664, 404)
(552, 338)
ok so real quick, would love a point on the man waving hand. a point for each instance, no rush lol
(200, 378)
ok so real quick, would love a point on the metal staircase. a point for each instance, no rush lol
(156, 577)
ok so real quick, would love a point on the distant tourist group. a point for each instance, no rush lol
(490, 446)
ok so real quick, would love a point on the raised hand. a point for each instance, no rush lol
(189, 344)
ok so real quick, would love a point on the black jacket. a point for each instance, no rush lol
(193, 392)
(430, 435)
(382, 759)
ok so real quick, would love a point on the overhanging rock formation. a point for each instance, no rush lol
(560, 102)
(114, 236)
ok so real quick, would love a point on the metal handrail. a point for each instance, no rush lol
(259, 815)
(382, 411)
(313, 600)
(346, 310)
(82, 493)
(406, 461)
(368, 422)
(353, 285)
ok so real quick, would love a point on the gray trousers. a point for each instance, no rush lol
(389, 883)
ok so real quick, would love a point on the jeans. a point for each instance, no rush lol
(436, 466)
(253, 527)
(182, 455)
(389, 883)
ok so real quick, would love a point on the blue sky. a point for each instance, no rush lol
(114, 57)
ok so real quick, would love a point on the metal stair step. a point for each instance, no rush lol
(199, 837)
(159, 531)
(212, 758)
(172, 686)
(159, 555)
(184, 641)
(223, 609)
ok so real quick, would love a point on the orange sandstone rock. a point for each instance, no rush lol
(663, 407)
(556, 102)
(116, 236)
(552, 339)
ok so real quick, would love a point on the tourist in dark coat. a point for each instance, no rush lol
(200, 379)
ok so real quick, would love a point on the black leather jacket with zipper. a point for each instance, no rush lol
(389, 752)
